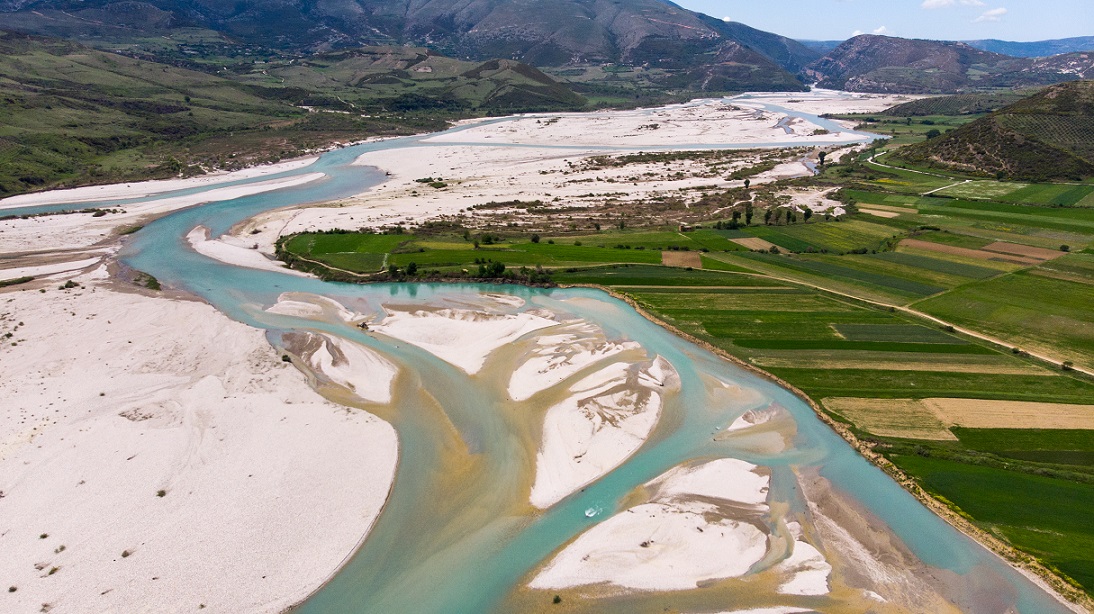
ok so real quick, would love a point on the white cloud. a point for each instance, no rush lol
(883, 31)
(992, 15)
(857, 33)
(727, 19)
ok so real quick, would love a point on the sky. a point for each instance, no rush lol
(1012, 20)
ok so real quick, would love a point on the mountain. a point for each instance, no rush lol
(884, 64)
(822, 47)
(654, 34)
(69, 113)
(1049, 135)
(1037, 49)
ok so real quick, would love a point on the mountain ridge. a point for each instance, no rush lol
(884, 64)
(643, 33)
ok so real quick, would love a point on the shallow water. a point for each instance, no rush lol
(457, 534)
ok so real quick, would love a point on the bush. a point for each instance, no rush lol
(535, 239)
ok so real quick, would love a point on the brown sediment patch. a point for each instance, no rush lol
(980, 413)
(754, 243)
(682, 259)
(1024, 563)
(912, 364)
(879, 212)
(1026, 251)
(971, 253)
(904, 418)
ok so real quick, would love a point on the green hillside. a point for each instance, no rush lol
(1049, 135)
(73, 115)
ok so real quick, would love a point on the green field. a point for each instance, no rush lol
(1031, 311)
(1056, 446)
(1047, 517)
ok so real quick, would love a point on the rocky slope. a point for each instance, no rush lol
(885, 64)
(646, 33)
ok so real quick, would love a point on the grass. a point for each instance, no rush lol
(1028, 310)
(1065, 447)
(882, 384)
(1047, 517)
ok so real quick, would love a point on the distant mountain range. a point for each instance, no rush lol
(672, 48)
(701, 52)
(1035, 49)
(1038, 49)
(870, 63)
(1049, 135)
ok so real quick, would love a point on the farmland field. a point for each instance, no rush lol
(1028, 310)
(1045, 516)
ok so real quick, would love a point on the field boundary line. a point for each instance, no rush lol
(1052, 360)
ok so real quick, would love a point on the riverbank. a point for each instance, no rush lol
(145, 468)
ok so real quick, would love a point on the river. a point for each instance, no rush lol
(457, 534)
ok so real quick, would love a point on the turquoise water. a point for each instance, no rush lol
(468, 550)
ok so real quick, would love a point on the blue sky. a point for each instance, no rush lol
(1015, 20)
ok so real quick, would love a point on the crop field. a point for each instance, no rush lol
(1048, 517)
(1028, 310)
(1049, 194)
(901, 418)
(1055, 446)
(838, 238)
(989, 190)
(937, 264)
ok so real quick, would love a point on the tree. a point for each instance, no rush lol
(748, 182)
(412, 269)
(748, 214)
(808, 213)
(767, 217)
(535, 238)
(933, 133)
(823, 155)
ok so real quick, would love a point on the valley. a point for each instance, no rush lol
(547, 306)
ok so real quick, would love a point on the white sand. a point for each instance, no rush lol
(677, 555)
(606, 419)
(359, 369)
(726, 478)
(485, 172)
(674, 542)
(121, 191)
(461, 337)
(312, 307)
(111, 397)
(702, 122)
(229, 252)
(808, 566)
(82, 230)
(558, 357)
(778, 610)
(752, 418)
(48, 269)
